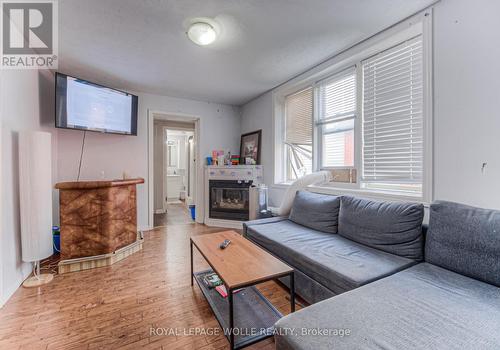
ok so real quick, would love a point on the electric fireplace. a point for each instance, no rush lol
(229, 199)
(227, 194)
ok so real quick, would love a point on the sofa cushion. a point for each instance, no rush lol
(393, 227)
(335, 262)
(465, 239)
(316, 211)
(423, 307)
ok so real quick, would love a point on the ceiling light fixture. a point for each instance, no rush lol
(202, 33)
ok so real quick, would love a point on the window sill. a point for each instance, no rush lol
(371, 194)
(281, 185)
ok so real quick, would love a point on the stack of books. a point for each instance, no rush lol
(211, 280)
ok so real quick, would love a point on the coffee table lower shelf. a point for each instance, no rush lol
(254, 316)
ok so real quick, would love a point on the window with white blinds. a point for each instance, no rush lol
(393, 118)
(337, 110)
(298, 136)
(370, 124)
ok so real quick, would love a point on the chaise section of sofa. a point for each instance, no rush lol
(451, 301)
(336, 244)
(423, 307)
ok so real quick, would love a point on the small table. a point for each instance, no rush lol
(241, 265)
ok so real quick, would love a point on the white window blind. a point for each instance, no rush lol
(337, 110)
(392, 116)
(298, 133)
(338, 96)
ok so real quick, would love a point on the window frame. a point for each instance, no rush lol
(419, 24)
(379, 186)
(319, 122)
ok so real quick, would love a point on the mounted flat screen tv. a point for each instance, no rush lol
(83, 105)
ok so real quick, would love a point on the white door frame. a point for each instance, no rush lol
(180, 117)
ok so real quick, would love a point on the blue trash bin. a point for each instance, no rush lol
(56, 240)
(192, 208)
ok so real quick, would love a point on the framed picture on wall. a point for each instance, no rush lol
(250, 147)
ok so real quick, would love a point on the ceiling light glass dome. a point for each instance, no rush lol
(201, 33)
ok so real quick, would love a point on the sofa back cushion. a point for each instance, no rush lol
(392, 227)
(317, 211)
(465, 240)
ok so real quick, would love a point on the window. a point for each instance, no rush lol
(367, 119)
(393, 118)
(337, 110)
(298, 134)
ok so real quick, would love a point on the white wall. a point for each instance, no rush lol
(467, 101)
(255, 115)
(26, 103)
(466, 104)
(115, 154)
(2, 301)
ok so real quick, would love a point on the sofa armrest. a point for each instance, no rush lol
(246, 224)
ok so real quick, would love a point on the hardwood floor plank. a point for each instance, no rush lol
(116, 307)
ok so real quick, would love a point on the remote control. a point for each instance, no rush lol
(224, 244)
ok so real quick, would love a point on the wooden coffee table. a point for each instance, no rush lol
(241, 266)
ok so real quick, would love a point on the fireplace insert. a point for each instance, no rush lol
(229, 199)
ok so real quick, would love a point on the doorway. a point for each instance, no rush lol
(173, 169)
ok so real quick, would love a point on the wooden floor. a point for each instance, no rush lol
(116, 307)
(177, 214)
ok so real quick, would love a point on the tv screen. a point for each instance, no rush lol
(83, 105)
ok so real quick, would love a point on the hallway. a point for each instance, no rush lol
(177, 214)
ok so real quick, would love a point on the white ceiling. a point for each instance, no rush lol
(140, 45)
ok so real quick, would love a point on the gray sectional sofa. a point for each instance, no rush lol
(448, 297)
(336, 244)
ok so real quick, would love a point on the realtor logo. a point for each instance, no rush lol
(29, 34)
